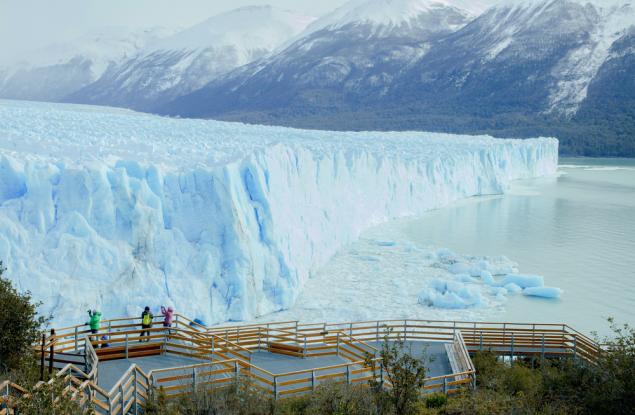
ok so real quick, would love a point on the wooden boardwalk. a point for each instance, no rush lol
(283, 358)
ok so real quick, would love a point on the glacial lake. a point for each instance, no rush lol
(577, 229)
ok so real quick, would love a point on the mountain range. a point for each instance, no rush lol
(563, 68)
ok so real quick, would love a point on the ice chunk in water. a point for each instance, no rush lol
(545, 292)
(487, 277)
(523, 281)
(449, 294)
(513, 288)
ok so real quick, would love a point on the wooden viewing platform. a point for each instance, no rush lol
(282, 359)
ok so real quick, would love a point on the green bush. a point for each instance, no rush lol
(20, 326)
(49, 399)
(436, 400)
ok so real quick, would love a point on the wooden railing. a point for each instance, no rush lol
(227, 352)
(514, 339)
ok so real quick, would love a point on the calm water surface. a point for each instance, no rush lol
(576, 229)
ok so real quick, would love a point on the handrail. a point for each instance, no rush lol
(199, 341)
(237, 346)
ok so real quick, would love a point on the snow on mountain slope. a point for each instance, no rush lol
(390, 12)
(193, 57)
(359, 49)
(576, 72)
(62, 68)
(592, 26)
(115, 210)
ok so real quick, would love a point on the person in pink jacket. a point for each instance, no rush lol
(168, 316)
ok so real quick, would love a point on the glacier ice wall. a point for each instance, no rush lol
(110, 209)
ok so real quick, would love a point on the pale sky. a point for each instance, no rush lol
(31, 24)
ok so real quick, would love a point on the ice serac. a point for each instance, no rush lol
(110, 209)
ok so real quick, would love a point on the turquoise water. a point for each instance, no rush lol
(576, 229)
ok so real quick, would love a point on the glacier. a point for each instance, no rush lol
(111, 209)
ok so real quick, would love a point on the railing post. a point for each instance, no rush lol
(52, 352)
(305, 346)
(512, 350)
(378, 331)
(123, 401)
(42, 351)
(86, 356)
(348, 374)
(237, 336)
(445, 386)
(350, 329)
(126, 345)
(338, 344)
(313, 380)
(236, 374)
(481, 341)
(76, 339)
(405, 330)
(136, 396)
(259, 335)
(194, 380)
(213, 347)
(575, 345)
(542, 350)
(275, 387)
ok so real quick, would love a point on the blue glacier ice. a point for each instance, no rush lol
(111, 209)
(544, 292)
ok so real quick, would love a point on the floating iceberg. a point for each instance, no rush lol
(545, 292)
(111, 209)
(449, 294)
(523, 281)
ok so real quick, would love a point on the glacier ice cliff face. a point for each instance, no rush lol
(110, 209)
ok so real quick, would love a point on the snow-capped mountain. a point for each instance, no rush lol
(191, 58)
(53, 72)
(522, 67)
(363, 46)
(550, 49)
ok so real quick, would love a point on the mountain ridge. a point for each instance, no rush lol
(515, 69)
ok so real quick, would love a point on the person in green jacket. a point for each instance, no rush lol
(95, 322)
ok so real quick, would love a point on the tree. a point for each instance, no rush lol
(613, 386)
(20, 325)
(405, 373)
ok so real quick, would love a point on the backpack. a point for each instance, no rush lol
(146, 319)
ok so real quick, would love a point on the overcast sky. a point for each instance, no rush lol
(30, 24)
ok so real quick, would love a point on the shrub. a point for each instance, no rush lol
(436, 400)
(405, 373)
(20, 326)
(49, 399)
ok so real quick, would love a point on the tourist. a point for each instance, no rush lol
(146, 323)
(94, 323)
(168, 316)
